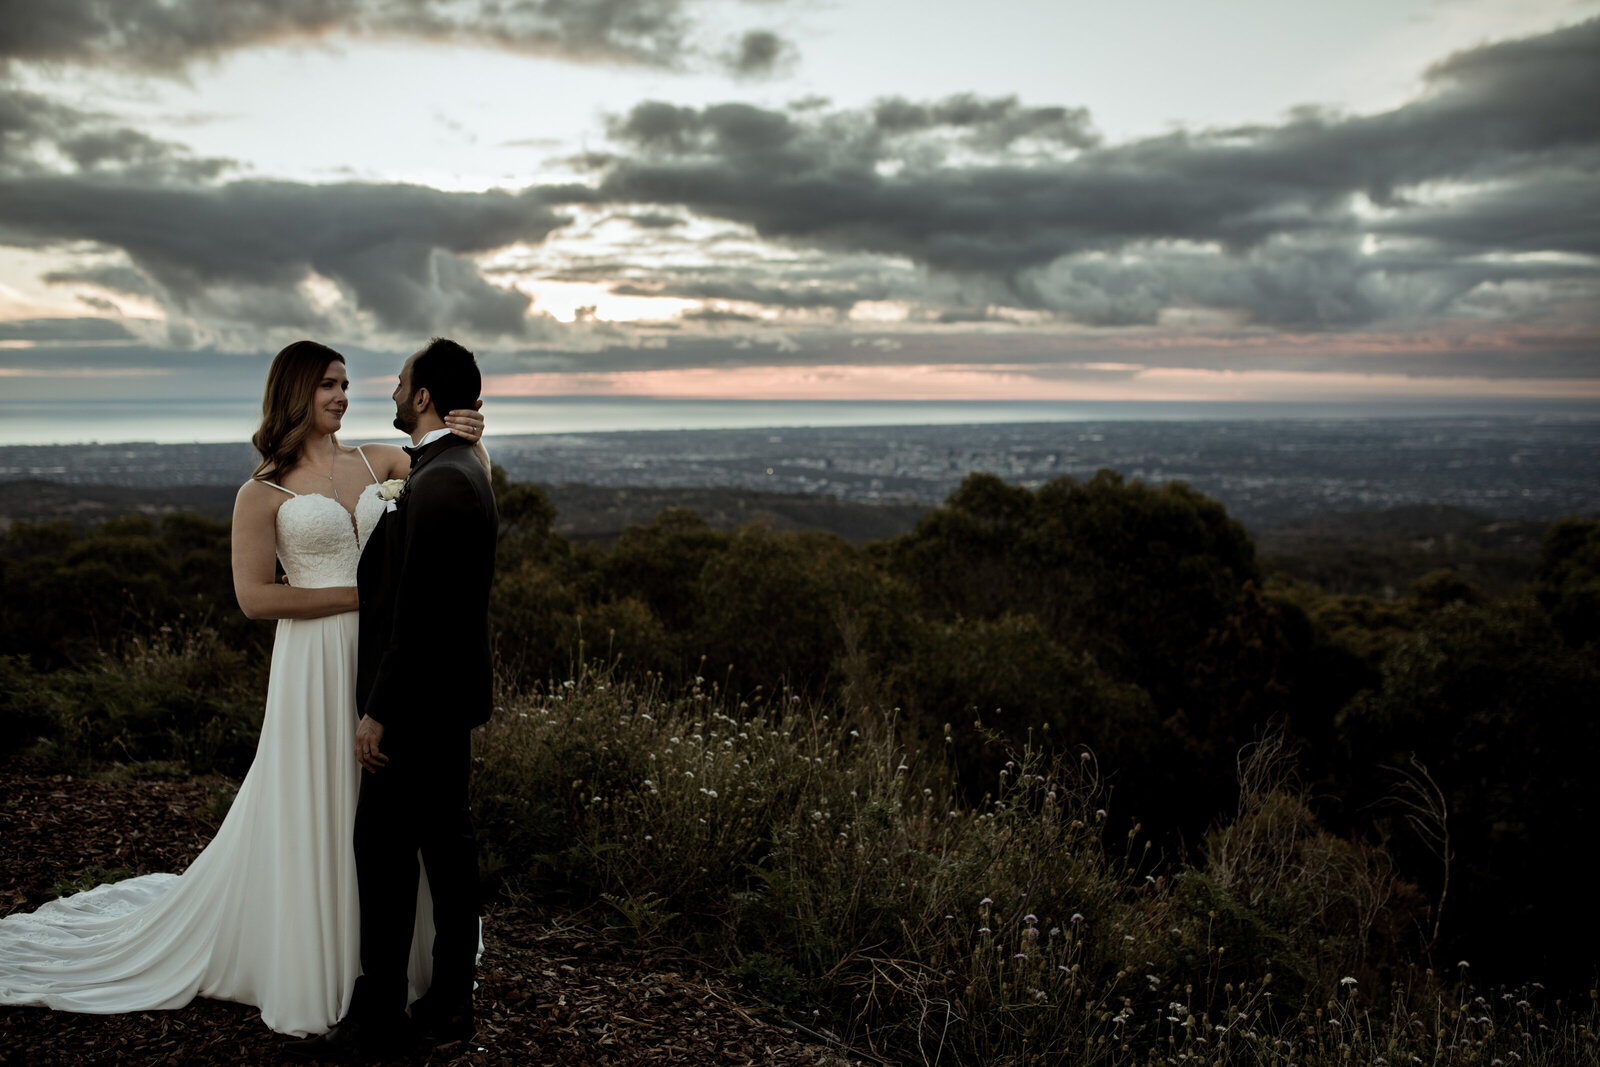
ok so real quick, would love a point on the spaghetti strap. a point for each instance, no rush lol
(368, 462)
(278, 487)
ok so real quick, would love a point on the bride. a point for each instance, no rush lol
(267, 913)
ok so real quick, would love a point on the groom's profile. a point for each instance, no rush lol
(423, 682)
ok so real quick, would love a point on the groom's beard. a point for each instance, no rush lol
(405, 416)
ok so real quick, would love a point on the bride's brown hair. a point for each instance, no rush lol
(286, 405)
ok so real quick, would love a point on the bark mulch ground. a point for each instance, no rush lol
(550, 991)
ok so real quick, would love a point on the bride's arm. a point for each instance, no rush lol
(255, 553)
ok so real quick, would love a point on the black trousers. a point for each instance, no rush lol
(417, 803)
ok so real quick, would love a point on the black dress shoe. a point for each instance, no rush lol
(438, 1023)
(353, 1040)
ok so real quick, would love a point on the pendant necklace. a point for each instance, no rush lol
(331, 466)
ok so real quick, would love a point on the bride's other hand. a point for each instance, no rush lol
(467, 424)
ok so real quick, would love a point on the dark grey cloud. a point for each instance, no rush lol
(759, 54)
(118, 278)
(993, 124)
(397, 250)
(166, 36)
(717, 315)
(656, 220)
(793, 296)
(51, 330)
(1499, 158)
(39, 135)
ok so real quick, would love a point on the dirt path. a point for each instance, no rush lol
(550, 992)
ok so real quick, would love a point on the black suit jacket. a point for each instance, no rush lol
(424, 586)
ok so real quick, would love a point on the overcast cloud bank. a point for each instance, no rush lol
(1458, 235)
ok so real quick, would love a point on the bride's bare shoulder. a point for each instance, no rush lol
(256, 496)
(388, 461)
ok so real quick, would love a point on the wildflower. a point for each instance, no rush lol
(1463, 963)
(1077, 916)
(1347, 980)
(1062, 967)
(1038, 994)
(985, 900)
(568, 684)
(1020, 956)
(1099, 813)
(794, 700)
(984, 930)
(1030, 918)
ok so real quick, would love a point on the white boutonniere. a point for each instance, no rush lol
(391, 491)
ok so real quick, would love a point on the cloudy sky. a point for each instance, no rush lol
(910, 199)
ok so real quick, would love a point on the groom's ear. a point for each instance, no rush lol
(421, 399)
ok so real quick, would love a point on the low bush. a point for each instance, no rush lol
(181, 696)
(831, 869)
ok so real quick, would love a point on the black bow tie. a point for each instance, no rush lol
(411, 450)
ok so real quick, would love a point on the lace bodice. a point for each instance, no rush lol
(317, 544)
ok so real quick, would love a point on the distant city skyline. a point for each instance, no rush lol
(746, 199)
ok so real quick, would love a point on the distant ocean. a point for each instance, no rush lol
(208, 421)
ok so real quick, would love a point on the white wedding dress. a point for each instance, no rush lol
(267, 914)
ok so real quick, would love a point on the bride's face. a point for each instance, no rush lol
(331, 399)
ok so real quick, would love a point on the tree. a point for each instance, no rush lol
(1567, 582)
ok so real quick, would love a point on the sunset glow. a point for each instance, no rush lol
(1117, 382)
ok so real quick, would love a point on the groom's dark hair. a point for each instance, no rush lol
(449, 373)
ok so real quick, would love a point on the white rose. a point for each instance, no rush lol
(391, 489)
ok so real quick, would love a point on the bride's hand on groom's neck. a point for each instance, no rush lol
(466, 423)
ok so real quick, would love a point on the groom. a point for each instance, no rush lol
(423, 682)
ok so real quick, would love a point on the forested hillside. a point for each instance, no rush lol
(1089, 708)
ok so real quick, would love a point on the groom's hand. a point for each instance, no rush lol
(369, 734)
